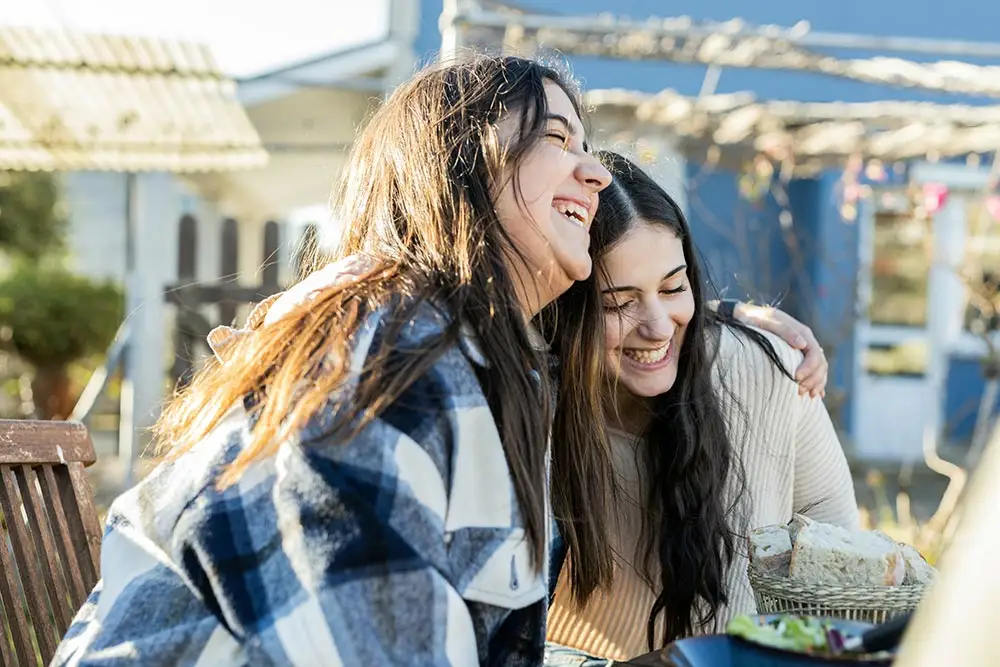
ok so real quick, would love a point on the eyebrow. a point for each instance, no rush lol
(629, 288)
(569, 127)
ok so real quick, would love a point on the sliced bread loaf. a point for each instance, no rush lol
(828, 554)
(918, 570)
(798, 522)
(771, 550)
(898, 572)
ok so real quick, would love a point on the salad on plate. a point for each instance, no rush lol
(802, 634)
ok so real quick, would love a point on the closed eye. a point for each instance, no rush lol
(561, 138)
(617, 307)
(620, 307)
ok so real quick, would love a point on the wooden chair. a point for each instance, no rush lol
(51, 537)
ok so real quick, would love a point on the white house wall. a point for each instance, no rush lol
(95, 203)
(308, 135)
(312, 115)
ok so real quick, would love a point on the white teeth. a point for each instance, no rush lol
(648, 356)
(571, 210)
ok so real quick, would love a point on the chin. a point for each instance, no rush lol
(649, 387)
(580, 270)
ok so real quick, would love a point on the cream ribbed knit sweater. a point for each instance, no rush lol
(792, 459)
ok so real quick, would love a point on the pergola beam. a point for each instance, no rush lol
(736, 44)
(811, 134)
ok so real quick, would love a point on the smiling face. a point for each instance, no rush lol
(648, 304)
(546, 204)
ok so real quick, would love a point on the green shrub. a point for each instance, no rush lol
(51, 317)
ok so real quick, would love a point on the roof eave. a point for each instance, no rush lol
(350, 68)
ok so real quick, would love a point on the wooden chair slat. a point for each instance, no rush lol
(85, 528)
(64, 539)
(55, 584)
(27, 564)
(42, 442)
(10, 594)
(6, 655)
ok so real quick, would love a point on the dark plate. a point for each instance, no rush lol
(726, 651)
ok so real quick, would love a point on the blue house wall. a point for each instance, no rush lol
(742, 242)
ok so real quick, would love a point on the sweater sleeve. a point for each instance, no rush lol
(824, 488)
(819, 479)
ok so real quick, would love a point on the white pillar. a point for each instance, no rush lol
(451, 35)
(945, 306)
(287, 247)
(156, 212)
(404, 24)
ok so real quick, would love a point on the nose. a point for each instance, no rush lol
(592, 173)
(657, 324)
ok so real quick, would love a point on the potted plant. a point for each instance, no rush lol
(52, 318)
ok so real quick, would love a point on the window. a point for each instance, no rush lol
(900, 269)
(905, 359)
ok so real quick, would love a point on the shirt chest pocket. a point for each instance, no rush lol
(495, 567)
(488, 551)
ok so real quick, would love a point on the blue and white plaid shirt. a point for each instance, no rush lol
(404, 546)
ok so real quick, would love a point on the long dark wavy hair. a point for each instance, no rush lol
(418, 198)
(696, 500)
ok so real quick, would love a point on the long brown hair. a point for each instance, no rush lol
(696, 498)
(417, 197)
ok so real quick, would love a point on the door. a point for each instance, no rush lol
(908, 298)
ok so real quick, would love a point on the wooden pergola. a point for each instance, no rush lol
(739, 126)
(810, 135)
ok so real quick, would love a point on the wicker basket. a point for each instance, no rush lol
(874, 604)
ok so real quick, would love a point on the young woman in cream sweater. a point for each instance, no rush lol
(706, 435)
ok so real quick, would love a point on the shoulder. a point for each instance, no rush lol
(421, 335)
(179, 510)
(738, 350)
(406, 325)
(745, 367)
(171, 507)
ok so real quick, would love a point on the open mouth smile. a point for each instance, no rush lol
(648, 357)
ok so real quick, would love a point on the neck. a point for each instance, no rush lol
(531, 305)
(629, 413)
(529, 294)
(535, 288)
